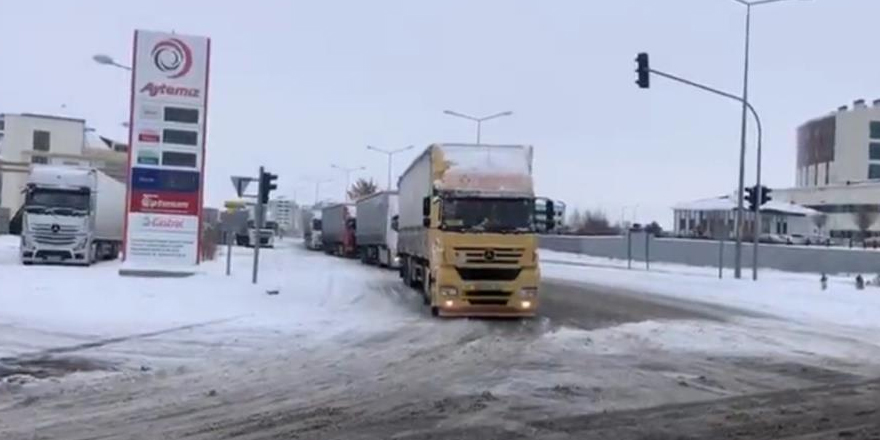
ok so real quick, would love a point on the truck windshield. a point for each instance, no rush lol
(316, 224)
(488, 214)
(55, 201)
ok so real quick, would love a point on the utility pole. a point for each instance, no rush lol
(479, 121)
(643, 81)
(390, 154)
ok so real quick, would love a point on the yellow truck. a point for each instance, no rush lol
(466, 230)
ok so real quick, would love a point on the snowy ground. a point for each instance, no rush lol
(345, 351)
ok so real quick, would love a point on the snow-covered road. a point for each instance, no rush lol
(345, 351)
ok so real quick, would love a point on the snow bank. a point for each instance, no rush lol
(791, 296)
(319, 295)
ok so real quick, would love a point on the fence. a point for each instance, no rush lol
(814, 259)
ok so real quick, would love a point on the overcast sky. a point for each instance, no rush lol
(299, 85)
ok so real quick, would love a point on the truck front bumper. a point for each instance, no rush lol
(62, 256)
(513, 308)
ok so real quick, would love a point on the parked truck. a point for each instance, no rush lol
(71, 215)
(338, 225)
(376, 239)
(311, 221)
(266, 236)
(466, 230)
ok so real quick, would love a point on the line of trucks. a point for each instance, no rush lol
(461, 229)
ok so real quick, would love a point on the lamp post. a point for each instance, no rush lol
(479, 121)
(390, 153)
(107, 60)
(742, 143)
(347, 172)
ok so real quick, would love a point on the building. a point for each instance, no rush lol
(716, 217)
(837, 175)
(284, 211)
(27, 139)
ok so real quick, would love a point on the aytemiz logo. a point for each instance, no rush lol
(154, 202)
(154, 89)
(172, 57)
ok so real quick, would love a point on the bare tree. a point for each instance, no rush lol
(820, 220)
(865, 216)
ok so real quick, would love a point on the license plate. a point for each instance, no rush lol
(53, 258)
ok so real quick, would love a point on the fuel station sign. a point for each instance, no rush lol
(166, 159)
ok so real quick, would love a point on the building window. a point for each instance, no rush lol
(874, 152)
(43, 160)
(874, 171)
(682, 224)
(41, 140)
(875, 129)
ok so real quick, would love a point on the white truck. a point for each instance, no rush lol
(376, 239)
(311, 221)
(267, 232)
(71, 215)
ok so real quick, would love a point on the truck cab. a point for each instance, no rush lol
(467, 230)
(65, 221)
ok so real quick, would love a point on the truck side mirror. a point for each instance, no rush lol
(395, 223)
(426, 207)
(426, 222)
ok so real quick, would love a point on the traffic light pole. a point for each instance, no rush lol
(258, 226)
(739, 211)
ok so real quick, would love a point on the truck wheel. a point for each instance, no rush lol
(426, 286)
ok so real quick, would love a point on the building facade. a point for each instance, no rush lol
(284, 212)
(27, 139)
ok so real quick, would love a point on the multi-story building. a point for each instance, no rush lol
(837, 175)
(27, 139)
(284, 211)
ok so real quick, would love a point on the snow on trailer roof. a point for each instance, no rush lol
(500, 169)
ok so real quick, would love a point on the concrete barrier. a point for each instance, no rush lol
(814, 259)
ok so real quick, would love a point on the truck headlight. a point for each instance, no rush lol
(81, 243)
(528, 292)
(448, 291)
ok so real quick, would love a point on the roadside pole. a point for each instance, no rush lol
(629, 249)
(228, 251)
(258, 227)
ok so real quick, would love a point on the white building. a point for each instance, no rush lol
(27, 139)
(284, 211)
(837, 174)
(715, 217)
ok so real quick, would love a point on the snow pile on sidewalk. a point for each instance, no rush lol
(796, 297)
(317, 294)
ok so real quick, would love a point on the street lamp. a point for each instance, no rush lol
(107, 60)
(742, 148)
(347, 172)
(390, 153)
(479, 121)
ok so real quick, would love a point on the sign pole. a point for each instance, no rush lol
(258, 226)
(228, 251)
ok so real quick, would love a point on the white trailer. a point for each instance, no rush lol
(376, 239)
(311, 221)
(71, 215)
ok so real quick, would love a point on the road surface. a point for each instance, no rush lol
(575, 372)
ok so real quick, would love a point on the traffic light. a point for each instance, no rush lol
(643, 71)
(266, 186)
(752, 197)
(765, 195)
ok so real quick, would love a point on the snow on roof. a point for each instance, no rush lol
(788, 208)
(712, 204)
(728, 204)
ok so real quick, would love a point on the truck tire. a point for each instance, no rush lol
(426, 286)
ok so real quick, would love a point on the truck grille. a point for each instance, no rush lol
(487, 302)
(476, 255)
(62, 236)
(487, 273)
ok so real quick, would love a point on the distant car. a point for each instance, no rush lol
(797, 239)
(773, 239)
(817, 240)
